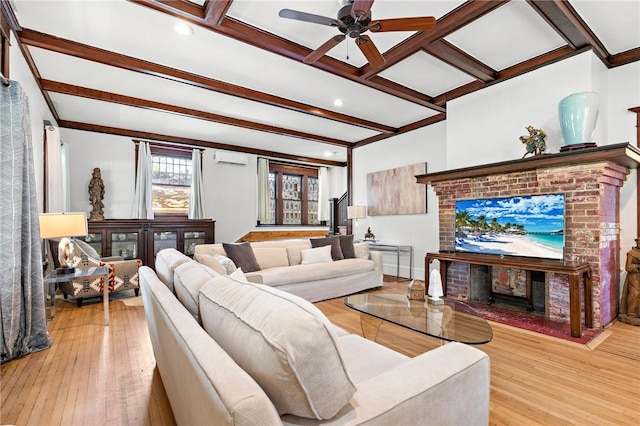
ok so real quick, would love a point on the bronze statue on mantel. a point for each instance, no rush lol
(630, 304)
(534, 141)
(96, 195)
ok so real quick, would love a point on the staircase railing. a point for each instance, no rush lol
(338, 214)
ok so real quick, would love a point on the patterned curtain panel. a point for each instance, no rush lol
(143, 198)
(196, 203)
(23, 318)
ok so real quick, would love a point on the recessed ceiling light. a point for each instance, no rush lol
(182, 28)
(329, 153)
(338, 102)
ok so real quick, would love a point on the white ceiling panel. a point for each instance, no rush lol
(102, 113)
(507, 36)
(64, 68)
(426, 74)
(624, 33)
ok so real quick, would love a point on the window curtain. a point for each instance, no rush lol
(57, 172)
(23, 320)
(143, 198)
(323, 194)
(196, 204)
(264, 211)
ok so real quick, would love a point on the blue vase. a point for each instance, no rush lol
(578, 114)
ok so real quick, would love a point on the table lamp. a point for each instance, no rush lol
(63, 226)
(356, 212)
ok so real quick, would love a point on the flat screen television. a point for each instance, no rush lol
(530, 226)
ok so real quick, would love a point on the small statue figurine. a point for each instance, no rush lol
(96, 194)
(534, 141)
(369, 235)
(630, 303)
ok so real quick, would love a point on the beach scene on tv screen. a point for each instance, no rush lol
(531, 226)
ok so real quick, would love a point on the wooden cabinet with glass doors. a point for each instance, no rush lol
(143, 239)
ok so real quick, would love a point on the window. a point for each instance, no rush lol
(171, 175)
(293, 195)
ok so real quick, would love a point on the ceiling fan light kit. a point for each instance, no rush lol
(354, 19)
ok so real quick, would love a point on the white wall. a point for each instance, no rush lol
(419, 231)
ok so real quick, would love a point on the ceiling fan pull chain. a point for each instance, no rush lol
(347, 51)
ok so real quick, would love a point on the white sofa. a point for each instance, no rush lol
(280, 262)
(266, 357)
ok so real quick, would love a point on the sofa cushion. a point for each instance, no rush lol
(188, 279)
(311, 272)
(211, 262)
(284, 342)
(242, 255)
(346, 245)
(316, 255)
(294, 253)
(167, 261)
(271, 257)
(334, 242)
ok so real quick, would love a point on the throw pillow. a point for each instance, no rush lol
(334, 242)
(211, 262)
(361, 250)
(239, 276)
(284, 342)
(316, 255)
(227, 263)
(188, 278)
(242, 255)
(346, 245)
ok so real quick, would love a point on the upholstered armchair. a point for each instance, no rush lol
(123, 274)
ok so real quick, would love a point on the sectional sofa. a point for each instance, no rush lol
(345, 268)
(239, 353)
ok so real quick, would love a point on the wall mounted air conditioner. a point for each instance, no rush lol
(230, 158)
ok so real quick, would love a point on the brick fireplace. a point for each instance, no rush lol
(590, 179)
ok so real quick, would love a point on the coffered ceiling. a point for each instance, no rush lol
(238, 80)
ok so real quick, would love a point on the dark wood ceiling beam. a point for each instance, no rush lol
(564, 19)
(99, 95)
(263, 40)
(451, 22)
(514, 71)
(215, 10)
(192, 142)
(624, 58)
(450, 54)
(404, 129)
(68, 47)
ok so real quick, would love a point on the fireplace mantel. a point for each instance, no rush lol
(590, 180)
(623, 154)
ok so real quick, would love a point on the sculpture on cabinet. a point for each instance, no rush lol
(96, 195)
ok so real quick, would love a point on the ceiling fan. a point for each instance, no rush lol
(354, 19)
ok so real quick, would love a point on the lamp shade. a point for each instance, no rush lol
(356, 212)
(57, 225)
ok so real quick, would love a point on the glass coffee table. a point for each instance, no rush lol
(453, 321)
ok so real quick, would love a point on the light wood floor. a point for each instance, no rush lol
(96, 375)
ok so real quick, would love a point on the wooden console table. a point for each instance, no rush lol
(575, 272)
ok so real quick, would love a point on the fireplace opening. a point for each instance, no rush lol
(514, 289)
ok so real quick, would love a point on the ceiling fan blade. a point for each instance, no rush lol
(426, 23)
(309, 17)
(361, 9)
(322, 50)
(370, 51)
